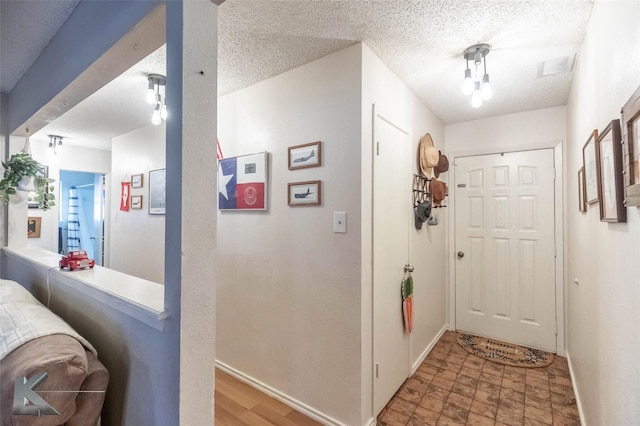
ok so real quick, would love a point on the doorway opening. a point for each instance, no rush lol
(81, 214)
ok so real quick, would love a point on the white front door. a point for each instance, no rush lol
(391, 213)
(505, 247)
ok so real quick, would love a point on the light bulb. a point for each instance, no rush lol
(486, 88)
(476, 98)
(60, 145)
(151, 94)
(155, 117)
(163, 111)
(467, 87)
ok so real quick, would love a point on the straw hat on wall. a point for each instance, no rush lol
(428, 155)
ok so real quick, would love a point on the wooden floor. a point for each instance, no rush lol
(239, 404)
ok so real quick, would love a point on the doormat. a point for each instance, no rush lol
(504, 353)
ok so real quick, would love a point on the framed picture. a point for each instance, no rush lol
(157, 191)
(242, 182)
(610, 174)
(631, 148)
(582, 203)
(305, 193)
(32, 201)
(136, 202)
(33, 227)
(306, 155)
(136, 181)
(590, 164)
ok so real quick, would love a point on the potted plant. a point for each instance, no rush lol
(20, 167)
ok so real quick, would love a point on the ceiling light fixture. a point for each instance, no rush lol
(55, 143)
(156, 97)
(476, 80)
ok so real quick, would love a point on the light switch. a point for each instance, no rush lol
(340, 222)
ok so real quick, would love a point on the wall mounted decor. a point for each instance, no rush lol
(304, 193)
(157, 191)
(136, 202)
(631, 149)
(306, 155)
(125, 195)
(136, 181)
(33, 227)
(610, 183)
(582, 200)
(242, 182)
(590, 164)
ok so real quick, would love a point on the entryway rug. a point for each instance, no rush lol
(504, 353)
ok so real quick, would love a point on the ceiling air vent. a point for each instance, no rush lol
(555, 66)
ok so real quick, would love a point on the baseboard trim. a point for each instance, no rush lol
(280, 396)
(428, 349)
(575, 390)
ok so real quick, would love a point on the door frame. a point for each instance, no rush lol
(559, 231)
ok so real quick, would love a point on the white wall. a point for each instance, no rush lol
(380, 86)
(72, 157)
(519, 130)
(288, 287)
(136, 238)
(603, 339)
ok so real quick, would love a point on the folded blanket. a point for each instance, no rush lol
(23, 318)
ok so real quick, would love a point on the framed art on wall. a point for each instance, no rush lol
(610, 174)
(157, 191)
(631, 148)
(582, 203)
(33, 227)
(242, 182)
(305, 155)
(590, 164)
(136, 181)
(305, 193)
(136, 202)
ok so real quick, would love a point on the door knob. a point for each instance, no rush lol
(460, 255)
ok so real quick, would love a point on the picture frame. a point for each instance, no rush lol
(242, 182)
(157, 191)
(34, 224)
(136, 202)
(137, 181)
(610, 179)
(630, 115)
(32, 202)
(307, 193)
(582, 200)
(305, 155)
(590, 164)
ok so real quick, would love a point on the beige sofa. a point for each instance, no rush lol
(33, 341)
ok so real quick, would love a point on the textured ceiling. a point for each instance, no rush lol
(420, 40)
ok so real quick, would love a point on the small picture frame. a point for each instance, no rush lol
(304, 193)
(136, 202)
(590, 164)
(582, 203)
(610, 174)
(33, 226)
(157, 191)
(136, 181)
(305, 155)
(631, 149)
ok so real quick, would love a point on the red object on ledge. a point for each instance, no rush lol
(76, 259)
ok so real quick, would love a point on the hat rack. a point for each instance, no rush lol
(420, 190)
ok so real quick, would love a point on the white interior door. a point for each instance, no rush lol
(505, 244)
(391, 214)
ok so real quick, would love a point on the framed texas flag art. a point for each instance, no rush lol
(242, 182)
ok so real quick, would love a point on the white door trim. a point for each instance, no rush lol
(559, 232)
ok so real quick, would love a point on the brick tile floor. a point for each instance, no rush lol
(454, 387)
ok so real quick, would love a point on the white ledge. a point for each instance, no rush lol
(140, 299)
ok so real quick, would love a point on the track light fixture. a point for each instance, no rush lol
(156, 97)
(55, 143)
(476, 80)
